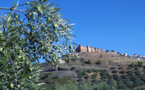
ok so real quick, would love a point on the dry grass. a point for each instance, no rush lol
(107, 60)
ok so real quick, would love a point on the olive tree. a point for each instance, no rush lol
(29, 32)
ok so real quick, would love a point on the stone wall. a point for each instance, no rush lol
(91, 49)
(86, 49)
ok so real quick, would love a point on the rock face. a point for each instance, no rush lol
(65, 74)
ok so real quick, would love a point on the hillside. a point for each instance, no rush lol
(103, 68)
(107, 61)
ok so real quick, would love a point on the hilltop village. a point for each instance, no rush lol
(81, 48)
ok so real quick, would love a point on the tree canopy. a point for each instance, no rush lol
(28, 34)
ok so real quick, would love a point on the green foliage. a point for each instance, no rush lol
(94, 76)
(124, 76)
(140, 63)
(80, 74)
(128, 83)
(118, 52)
(99, 62)
(86, 76)
(132, 64)
(78, 71)
(112, 51)
(73, 68)
(130, 72)
(89, 71)
(112, 83)
(121, 84)
(81, 59)
(103, 86)
(80, 80)
(140, 88)
(122, 71)
(120, 67)
(137, 72)
(88, 61)
(52, 83)
(70, 86)
(74, 59)
(113, 68)
(103, 75)
(27, 35)
(114, 71)
(84, 72)
(94, 81)
(95, 71)
(85, 86)
(107, 50)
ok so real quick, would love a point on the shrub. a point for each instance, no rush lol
(133, 78)
(137, 72)
(89, 71)
(118, 53)
(73, 68)
(113, 68)
(74, 59)
(94, 76)
(121, 85)
(110, 76)
(86, 76)
(99, 62)
(122, 71)
(124, 76)
(128, 83)
(78, 71)
(80, 80)
(80, 75)
(115, 76)
(140, 63)
(136, 68)
(84, 86)
(107, 50)
(89, 61)
(103, 86)
(84, 73)
(142, 77)
(95, 71)
(130, 72)
(81, 59)
(120, 67)
(94, 81)
(129, 67)
(112, 82)
(112, 51)
(69, 86)
(114, 71)
(132, 64)
(103, 76)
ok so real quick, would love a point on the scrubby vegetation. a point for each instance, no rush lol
(100, 80)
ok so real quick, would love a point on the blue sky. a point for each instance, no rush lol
(106, 24)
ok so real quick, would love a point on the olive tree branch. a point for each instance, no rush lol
(13, 9)
(14, 70)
